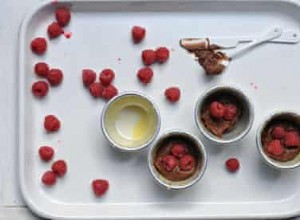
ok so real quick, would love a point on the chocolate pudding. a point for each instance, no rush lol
(220, 114)
(177, 158)
(281, 140)
(211, 61)
(208, 55)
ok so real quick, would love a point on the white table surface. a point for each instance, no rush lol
(11, 14)
(11, 203)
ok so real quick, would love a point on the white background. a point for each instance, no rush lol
(11, 14)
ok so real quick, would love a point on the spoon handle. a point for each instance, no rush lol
(269, 35)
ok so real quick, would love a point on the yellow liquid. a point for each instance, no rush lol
(131, 121)
(141, 126)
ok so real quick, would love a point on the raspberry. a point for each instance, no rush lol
(51, 123)
(138, 34)
(232, 164)
(292, 139)
(39, 45)
(148, 57)
(88, 77)
(96, 90)
(49, 178)
(46, 153)
(278, 132)
(59, 167)
(162, 54)
(216, 110)
(106, 77)
(172, 94)
(54, 30)
(178, 150)
(41, 69)
(55, 77)
(275, 148)
(169, 162)
(187, 162)
(109, 92)
(63, 16)
(230, 112)
(100, 187)
(40, 89)
(145, 75)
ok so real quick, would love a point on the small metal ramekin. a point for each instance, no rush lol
(242, 126)
(107, 136)
(281, 115)
(177, 184)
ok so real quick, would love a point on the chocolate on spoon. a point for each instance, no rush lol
(213, 60)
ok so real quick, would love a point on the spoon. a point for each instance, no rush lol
(269, 35)
(287, 37)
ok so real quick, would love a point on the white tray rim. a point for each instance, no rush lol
(20, 119)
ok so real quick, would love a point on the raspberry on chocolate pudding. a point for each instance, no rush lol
(280, 139)
(216, 110)
(177, 159)
(178, 150)
(167, 163)
(221, 115)
(224, 114)
(176, 169)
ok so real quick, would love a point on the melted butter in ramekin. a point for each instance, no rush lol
(131, 121)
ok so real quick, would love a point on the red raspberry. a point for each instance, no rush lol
(169, 162)
(41, 69)
(216, 110)
(230, 112)
(51, 123)
(275, 148)
(138, 34)
(100, 187)
(55, 77)
(278, 132)
(232, 164)
(162, 54)
(88, 77)
(39, 45)
(172, 94)
(49, 178)
(178, 150)
(187, 162)
(40, 89)
(96, 90)
(292, 139)
(63, 16)
(46, 153)
(59, 167)
(148, 57)
(145, 75)
(109, 92)
(54, 30)
(106, 77)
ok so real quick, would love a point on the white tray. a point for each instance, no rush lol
(101, 35)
